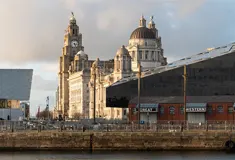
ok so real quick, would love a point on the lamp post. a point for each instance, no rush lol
(185, 85)
(139, 76)
(47, 107)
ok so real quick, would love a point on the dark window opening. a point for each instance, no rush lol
(209, 110)
(124, 112)
(172, 110)
(181, 110)
(220, 109)
(162, 110)
(230, 109)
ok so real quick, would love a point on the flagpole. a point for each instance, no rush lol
(185, 92)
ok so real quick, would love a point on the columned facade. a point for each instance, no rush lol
(80, 77)
(145, 46)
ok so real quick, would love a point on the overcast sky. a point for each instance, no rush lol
(31, 31)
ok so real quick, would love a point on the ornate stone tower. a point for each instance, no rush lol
(145, 46)
(122, 63)
(72, 45)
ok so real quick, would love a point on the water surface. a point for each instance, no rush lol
(196, 155)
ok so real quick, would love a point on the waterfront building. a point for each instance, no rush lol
(200, 109)
(209, 73)
(104, 77)
(25, 106)
(77, 74)
(72, 45)
(145, 46)
(15, 87)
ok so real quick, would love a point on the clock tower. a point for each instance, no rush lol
(72, 45)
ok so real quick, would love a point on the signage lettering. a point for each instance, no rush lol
(195, 109)
(146, 109)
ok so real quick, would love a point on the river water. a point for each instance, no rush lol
(196, 155)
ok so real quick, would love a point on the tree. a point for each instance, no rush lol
(77, 115)
(44, 114)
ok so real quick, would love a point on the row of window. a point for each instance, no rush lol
(146, 55)
(219, 109)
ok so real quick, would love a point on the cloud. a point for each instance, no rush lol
(50, 67)
(186, 7)
(41, 88)
(32, 31)
(41, 84)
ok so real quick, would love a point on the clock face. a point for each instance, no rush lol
(74, 43)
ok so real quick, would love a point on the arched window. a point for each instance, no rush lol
(220, 109)
(146, 54)
(209, 110)
(171, 110)
(181, 110)
(140, 54)
(161, 110)
(230, 109)
(133, 55)
(152, 56)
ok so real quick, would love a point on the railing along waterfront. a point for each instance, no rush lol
(160, 126)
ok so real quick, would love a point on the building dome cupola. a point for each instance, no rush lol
(122, 51)
(152, 27)
(142, 22)
(82, 54)
(142, 32)
(122, 61)
(151, 23)
(72, 19)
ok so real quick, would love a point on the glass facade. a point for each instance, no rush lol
(210, 77)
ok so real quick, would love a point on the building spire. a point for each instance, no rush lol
(72, 19)
(151, 23)
(142, 21)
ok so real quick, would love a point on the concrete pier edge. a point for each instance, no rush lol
(115, 141)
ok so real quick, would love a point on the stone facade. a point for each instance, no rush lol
(145, 48)
(80, 78)
(72, 45)
(101, 78)
(79, 94)
(115, 141)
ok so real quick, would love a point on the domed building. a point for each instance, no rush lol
(145, 46)
(102, 78)
(83, 82)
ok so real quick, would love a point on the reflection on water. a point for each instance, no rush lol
(196, 155)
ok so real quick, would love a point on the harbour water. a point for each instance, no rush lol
(196, 155)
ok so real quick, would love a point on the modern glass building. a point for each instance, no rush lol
(210, 73)
(15, 86)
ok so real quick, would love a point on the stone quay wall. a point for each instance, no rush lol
(115, 140)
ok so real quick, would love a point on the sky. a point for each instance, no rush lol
(31, 32)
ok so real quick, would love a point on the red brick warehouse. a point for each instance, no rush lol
(199, 109)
